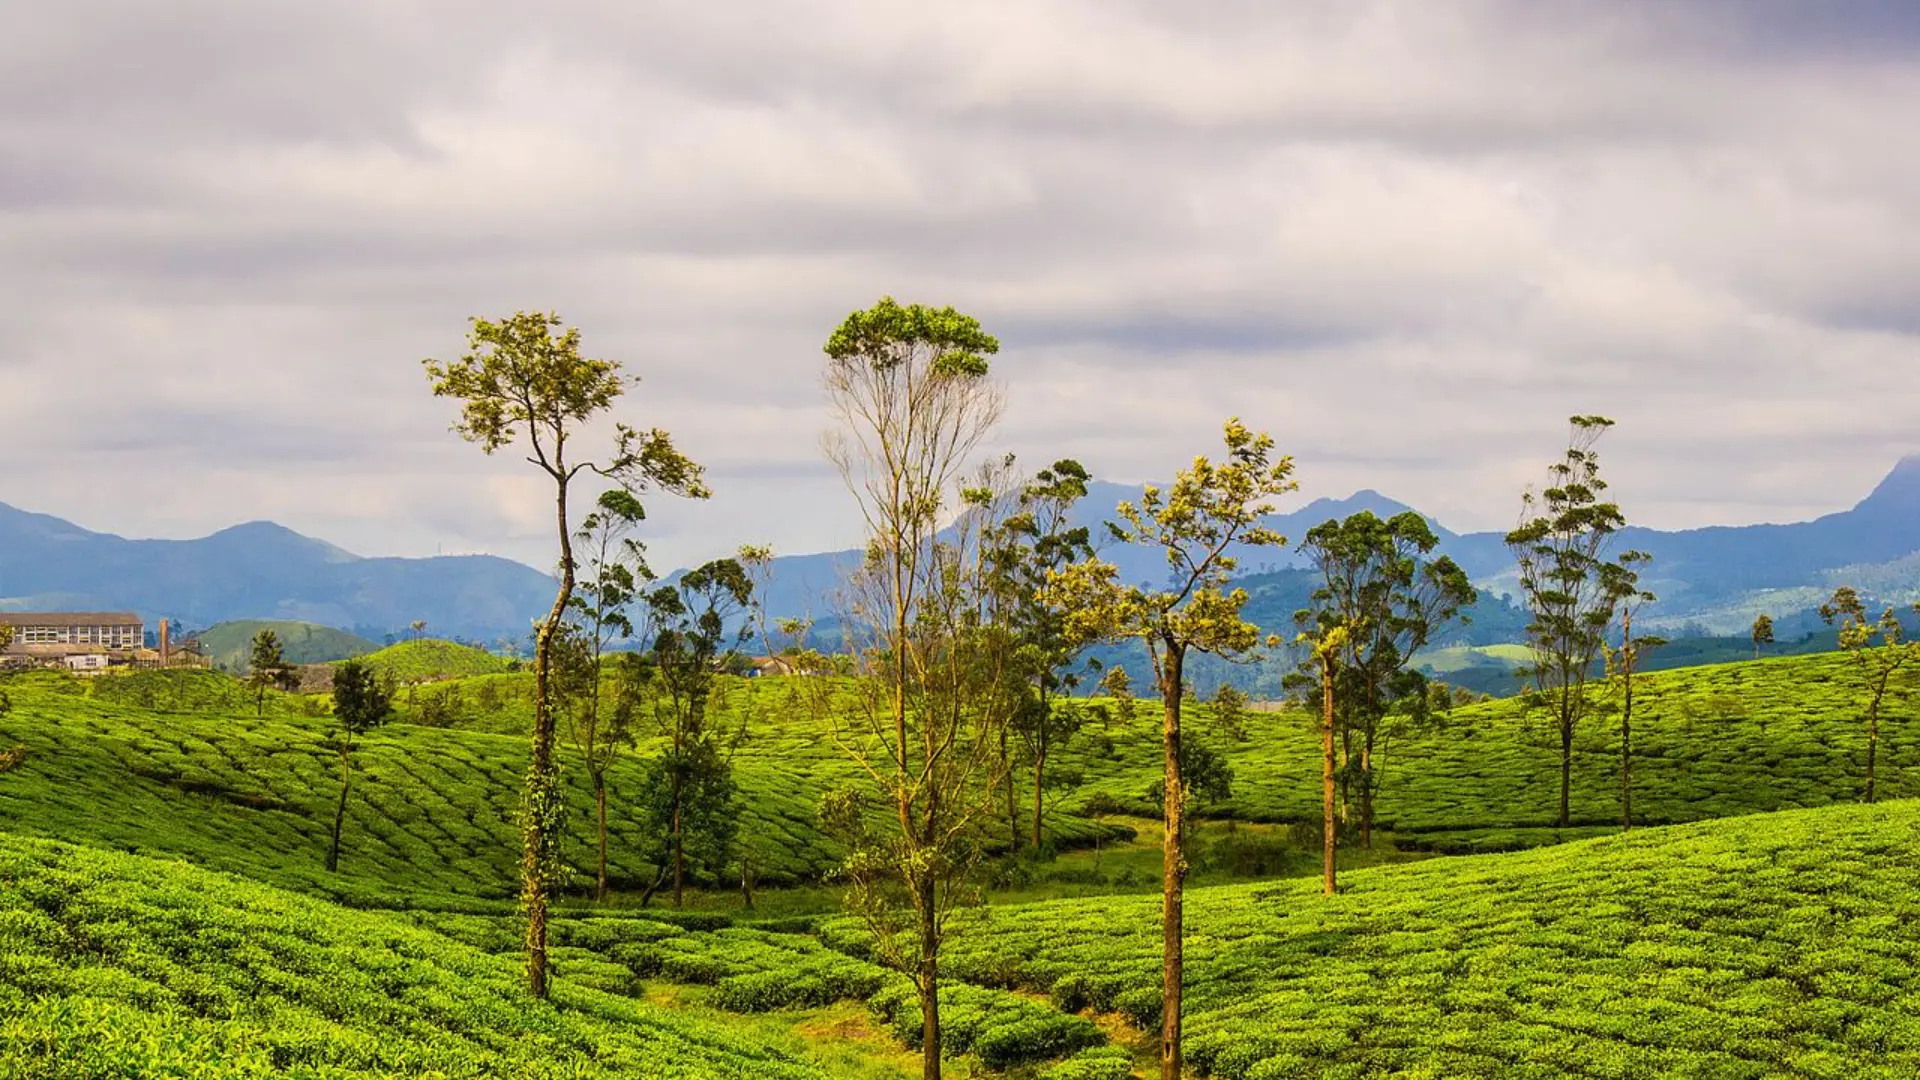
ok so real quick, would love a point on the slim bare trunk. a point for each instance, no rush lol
(1173, 872)
(1566, 765)
(1013, 812)
(1873, 742)
(1039, 771)
(1366, 790)
(340, 812)
(679, 856)
(600, 808)
(1330, 831)
(1626, 751)
(746, 882)
(929, 983)
(542, 783)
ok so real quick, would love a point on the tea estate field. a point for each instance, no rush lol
(1765, 946)
(179, 763)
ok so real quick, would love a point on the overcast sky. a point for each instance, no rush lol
(1408, 239)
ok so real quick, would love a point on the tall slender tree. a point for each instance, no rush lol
(362, 701)
(521, 382)
(1036, 538)
(1558, 550)
(1875, 665)
(1209, 509)
(616, 571)
(1621, 581)
(912, 391)
(1328, 643)
(694, 627)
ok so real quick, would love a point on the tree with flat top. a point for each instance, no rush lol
(928, 695)
(520, 382)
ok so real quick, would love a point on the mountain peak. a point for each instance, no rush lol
(1898, 490)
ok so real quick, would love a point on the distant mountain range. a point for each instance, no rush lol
(260, 570)
(1709, 580)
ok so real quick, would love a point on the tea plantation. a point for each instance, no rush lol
(1762, 945)
(1780, 945)
(115, 965)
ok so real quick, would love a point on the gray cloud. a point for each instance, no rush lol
(1407, 238)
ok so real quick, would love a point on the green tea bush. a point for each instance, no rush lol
(116, 965)
(1772, 945)
(1093, 1063)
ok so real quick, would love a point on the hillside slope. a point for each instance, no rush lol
(1779, 945)
(230, 644)
(114, 965)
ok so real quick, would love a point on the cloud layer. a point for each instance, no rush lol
(1409, 239)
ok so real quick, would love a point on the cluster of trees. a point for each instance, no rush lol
(966, 619)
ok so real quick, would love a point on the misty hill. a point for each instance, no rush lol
(260, 570)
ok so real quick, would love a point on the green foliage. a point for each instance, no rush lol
(1762, 632)
(116, 965)
(267, 667)
(1204, 773)
(362, 699)
(1563, 578)
(1379, 586)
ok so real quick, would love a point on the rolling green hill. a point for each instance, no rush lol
(1732, 948)
(428, 659)
(1779, 945)
(176, 762)
(230, 644)
(115, 965)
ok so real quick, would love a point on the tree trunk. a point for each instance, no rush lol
(340, 812)
(929, 982)
(1873, 742)
(1566, 765)
(1626, 743)
(600, 808)
(1366, 790)
(1329, 829)
(746, 882)
(1039, 770)
(679, 855)
(1173, 871)
(1013, 811)
(539, 836)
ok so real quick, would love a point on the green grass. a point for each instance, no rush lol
(230, 644)
(429, 659)
(1781, 945)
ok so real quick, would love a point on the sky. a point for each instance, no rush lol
(1407, 239)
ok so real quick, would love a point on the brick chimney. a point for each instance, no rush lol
(163, 643)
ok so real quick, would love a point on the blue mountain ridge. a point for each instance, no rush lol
(263, 570)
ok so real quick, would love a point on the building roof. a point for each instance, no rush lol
(67, 618)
